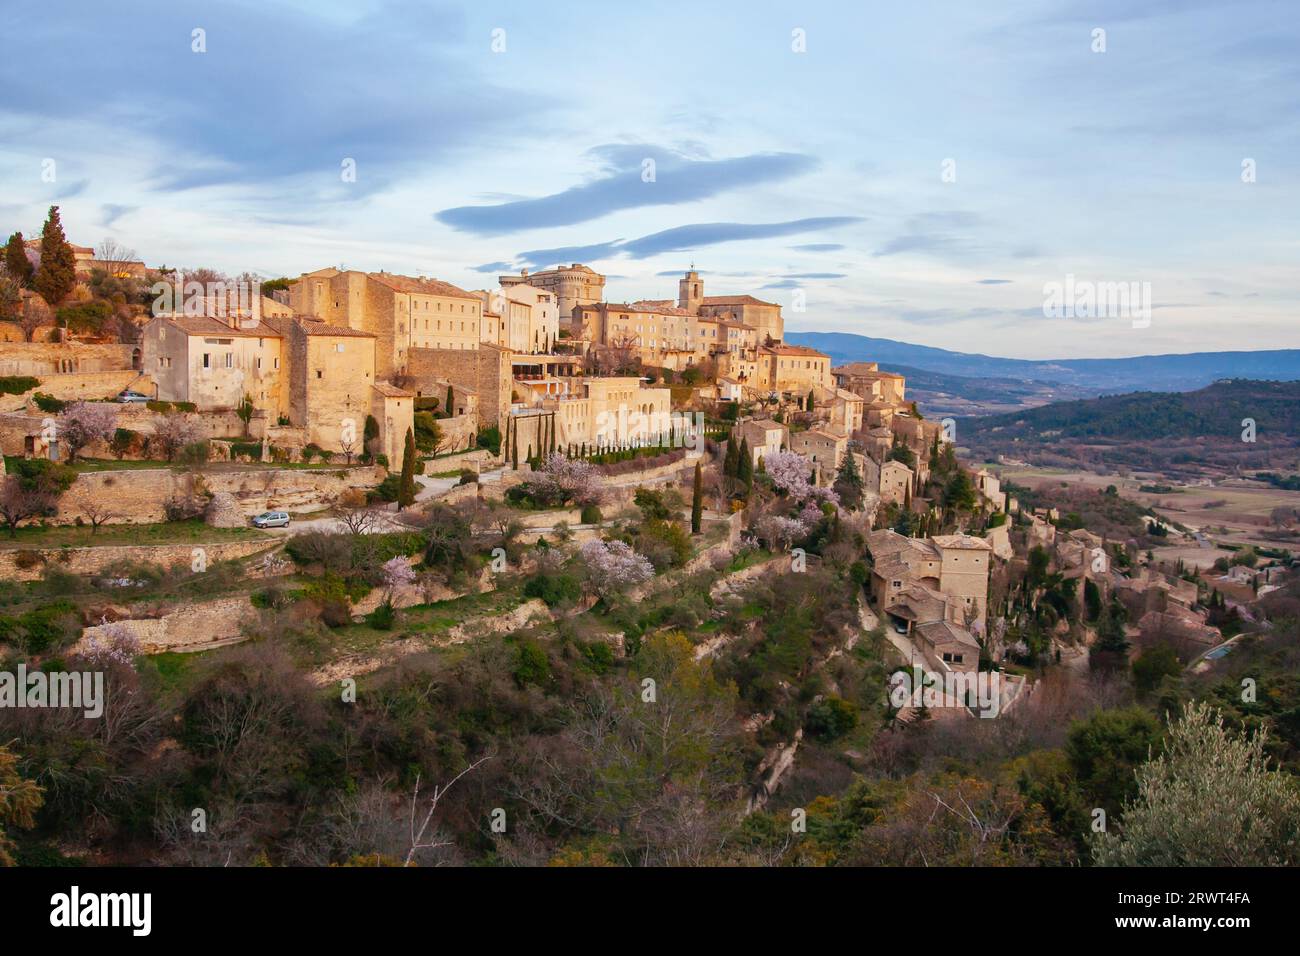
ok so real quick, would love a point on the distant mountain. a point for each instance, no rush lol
(1176, 432)
(1089, 376)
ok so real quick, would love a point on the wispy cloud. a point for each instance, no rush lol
(683, 238)
(624, 184)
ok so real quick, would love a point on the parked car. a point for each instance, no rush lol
(900, 627)
(272, 519)
(128, 396)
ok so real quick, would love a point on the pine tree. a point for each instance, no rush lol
(406, 485)
(57, 273)
(17, 264)
(697, 500)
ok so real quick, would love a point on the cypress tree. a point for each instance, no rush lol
(811, 400)
(697, 500)
(732, 458)
(406, 486)
(17, 264)
(514, 449)
(745, 465)
(451, 399)
(57, 273)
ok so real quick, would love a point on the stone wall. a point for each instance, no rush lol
(139, 496)
(485, 370)
(99, 559)
(190, 627)
(52, 358)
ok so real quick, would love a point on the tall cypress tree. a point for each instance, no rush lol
(57, 273)
(697, 500)
(406, 485)
(451, 400)
(17, 264)
(745, 465)
(732, 458)
(514, 449)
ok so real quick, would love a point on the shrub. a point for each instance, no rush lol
(48, 403)
(17, 384)
(386, 490)
(383, 617)
(831, 718)
(489, 437)
(554, 589)
(591, 514)
(532, 666)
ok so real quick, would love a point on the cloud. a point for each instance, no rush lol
(493, 267)
(677, 179)
(819, 247)
(683, 238)
(815, 275)
(113, 212)
(993, 281)
(254, 109)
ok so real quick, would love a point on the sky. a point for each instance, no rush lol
(916, 171)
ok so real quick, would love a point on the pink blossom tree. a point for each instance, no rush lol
(562, 480)
(612, 566)
(791, 473)
(86, 422)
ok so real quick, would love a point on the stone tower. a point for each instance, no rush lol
(690, 292)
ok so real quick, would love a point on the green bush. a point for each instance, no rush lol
(591, 514)
(383, 617)
(85, 317)
(532, 666)
(386, 490)
(48, 403)
(554, 589)
(17, 384)
(831, 718)
(162, 407)
(489, 437)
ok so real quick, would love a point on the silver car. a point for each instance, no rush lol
(272, 519)
(127, 396)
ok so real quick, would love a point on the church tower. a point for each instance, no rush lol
(690, 292)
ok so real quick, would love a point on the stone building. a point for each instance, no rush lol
(572, 286)
(764, 437)
(401, 312)
(955, 566)
(215, 362)
(825, 449)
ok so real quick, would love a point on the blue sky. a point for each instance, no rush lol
(780, 173)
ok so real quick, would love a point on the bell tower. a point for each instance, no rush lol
(690, 292)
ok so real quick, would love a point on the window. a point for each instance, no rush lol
(318, 373)
(277, 364)
(230, 360)
(207, 360)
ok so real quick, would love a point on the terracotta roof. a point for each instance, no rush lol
(391, 391)
(206, 325)
(733, 300)
(965, 542)
(311, 325)
(945, 632)
(793, 350)
(421, 286)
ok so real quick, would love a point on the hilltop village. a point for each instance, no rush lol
(345, 483)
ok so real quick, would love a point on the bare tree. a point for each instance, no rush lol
(17, 504)
(114, 257)
(171, 433)
(422, 839)
(97, 512)
(35, 314)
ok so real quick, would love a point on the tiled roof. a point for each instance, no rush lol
(421, 286)
(391, 391)
(945, 632)
(311, 325)
(206, 325)
(964, 542)
(733, 300)
(793, 350)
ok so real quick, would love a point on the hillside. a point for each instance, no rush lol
(1091, 376)
(1182, 432)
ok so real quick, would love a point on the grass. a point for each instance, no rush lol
(168, 532)
(432, 620)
